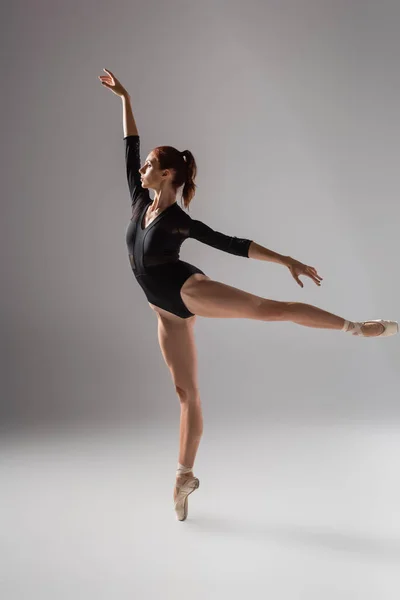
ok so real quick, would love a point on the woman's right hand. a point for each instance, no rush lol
(111, 82)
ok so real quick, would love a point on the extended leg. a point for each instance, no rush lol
(208, 298)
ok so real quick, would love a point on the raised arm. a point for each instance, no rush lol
(131, 138)
(115, 86)
(129, 123)
(132, 152)
(132, 162)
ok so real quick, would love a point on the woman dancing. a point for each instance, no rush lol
(178, 291)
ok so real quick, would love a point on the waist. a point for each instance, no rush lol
(152, 269)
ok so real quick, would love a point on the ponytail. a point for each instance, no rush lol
(189, 189)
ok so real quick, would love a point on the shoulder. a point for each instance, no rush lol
(182, 220)
(179, 212)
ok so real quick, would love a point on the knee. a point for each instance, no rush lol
(188, 393)
(274, 310)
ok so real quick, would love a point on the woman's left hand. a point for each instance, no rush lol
(297, 268)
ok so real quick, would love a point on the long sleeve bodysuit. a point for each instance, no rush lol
(154, 250)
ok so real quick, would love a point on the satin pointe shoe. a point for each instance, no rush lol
(181, 501)
(390, 328)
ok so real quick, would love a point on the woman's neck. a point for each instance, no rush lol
(163, 199)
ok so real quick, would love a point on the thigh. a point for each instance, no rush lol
(208, 298)
(177, 344)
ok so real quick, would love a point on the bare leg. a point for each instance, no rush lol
(177, 344)
(312, 316)
(190, 430)
(208, 298)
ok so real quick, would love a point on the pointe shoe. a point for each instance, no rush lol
(181, 501)
(390, 328)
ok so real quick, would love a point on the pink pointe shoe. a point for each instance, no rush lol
(390, 328)
(181, 501)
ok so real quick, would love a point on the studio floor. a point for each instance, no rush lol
(283, 511)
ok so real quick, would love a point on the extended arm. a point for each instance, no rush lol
(203, 233)
(295, 267)
(234, 245)
(260, 253)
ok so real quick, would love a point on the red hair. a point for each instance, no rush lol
(184, 166)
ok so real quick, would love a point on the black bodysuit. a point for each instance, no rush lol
(154, 250)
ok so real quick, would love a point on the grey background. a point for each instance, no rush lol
(291, 111)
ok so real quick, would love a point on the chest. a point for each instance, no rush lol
(149, 218)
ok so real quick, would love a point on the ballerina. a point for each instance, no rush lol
(178, 292)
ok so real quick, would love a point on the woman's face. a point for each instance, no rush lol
(152, 176)
(149, 172)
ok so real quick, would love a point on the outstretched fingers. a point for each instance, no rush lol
(312, 273)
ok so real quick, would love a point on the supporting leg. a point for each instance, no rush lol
(190, 430)
(177, 344)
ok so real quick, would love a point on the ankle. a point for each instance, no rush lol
(184, 476)
(183, 472)
(348, 325)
